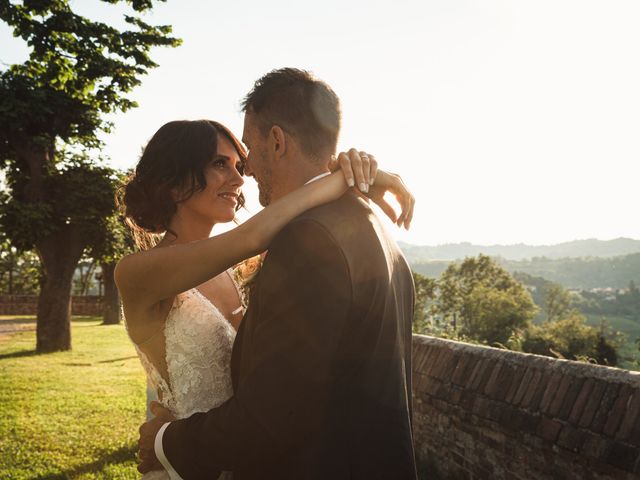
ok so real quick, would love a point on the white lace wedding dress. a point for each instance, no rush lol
(198, 340)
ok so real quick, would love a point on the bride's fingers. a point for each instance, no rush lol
(352, 157)
(407, 202)
(361, 169)
(386, 208)
(373, 169)
(345, 166)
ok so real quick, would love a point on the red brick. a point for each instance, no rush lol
(437, 364)
(450, 366)
(443, 392)
(420, 357)
(606, 404)
(542, 387)
(524, 385)
(492, 380)
(445, 365)
(467, 399)
(496, 410)
(548, 429)
(489, 367)
(596, 446)
(527, 422)
(616, 414)
(509, 418)
(593, 403)
(419, 382)
(558, 399)
(433, 357)
(518, 374)
(634, 438)
(503, 382)
(622, 456)
(475, 373)
(431, 386)
(459, 374)
(571, 438)
(531, 389)
(583, 397)
(455, 395)
(570, 398)
(631, 416)
(550, 391)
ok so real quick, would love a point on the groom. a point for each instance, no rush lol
(321, 364)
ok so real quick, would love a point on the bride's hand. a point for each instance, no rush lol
(358, 167)
(361, 168)
(390, 182)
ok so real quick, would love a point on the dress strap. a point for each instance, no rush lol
(240, 296)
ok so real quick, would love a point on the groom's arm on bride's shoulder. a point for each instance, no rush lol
(304, 296)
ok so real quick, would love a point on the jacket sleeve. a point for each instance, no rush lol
(304, 296)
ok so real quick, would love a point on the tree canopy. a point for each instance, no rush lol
(52, 108)
(483, 301)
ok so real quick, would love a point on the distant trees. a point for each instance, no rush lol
(20, 272)
(114, 242)
(425, 292)
(571, 338)
(57, 199)
(557, 302)
(479, 301)
(482, 301)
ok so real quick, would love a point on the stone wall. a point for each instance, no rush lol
(485, 413)
(28, 305)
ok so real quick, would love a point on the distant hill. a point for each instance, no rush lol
(521, 251)
(581, 273)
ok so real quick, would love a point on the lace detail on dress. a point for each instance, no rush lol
(199, 341)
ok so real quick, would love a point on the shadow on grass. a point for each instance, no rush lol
(122, 455)
(19, 354)
(118, 359)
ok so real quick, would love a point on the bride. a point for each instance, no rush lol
(180, 301)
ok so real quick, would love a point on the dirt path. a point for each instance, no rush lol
(10, 325)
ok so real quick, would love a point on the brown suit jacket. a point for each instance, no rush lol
(321, 365)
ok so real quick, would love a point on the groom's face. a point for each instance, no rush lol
(258, 163)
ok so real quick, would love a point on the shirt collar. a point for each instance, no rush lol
(318, 177)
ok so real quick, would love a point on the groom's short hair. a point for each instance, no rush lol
(302, 105)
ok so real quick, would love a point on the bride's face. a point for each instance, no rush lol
(218, 201)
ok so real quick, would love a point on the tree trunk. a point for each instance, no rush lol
(60, 254)
(111, 297)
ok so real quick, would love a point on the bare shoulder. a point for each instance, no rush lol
(124, 270)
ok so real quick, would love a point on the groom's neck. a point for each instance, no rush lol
(298, 175)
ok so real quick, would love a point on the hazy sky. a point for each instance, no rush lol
(512, 121)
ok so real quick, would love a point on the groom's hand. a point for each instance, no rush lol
(148, 432)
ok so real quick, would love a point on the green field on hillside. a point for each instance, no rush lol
(70, 414)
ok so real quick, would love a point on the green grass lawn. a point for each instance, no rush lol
(70, 414)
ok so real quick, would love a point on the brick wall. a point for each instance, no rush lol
(28, 305)
(485, 413)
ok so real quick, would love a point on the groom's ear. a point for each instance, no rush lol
(278, 140)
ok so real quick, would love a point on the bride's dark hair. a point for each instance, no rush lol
(172, 163)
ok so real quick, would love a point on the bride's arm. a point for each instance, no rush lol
(156, 274)
(160, 273)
